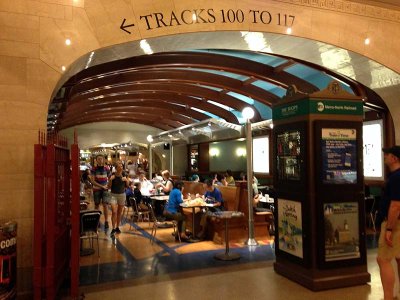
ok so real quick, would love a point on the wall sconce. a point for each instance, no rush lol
(241, 152)
(214, 152)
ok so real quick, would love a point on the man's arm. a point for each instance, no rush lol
(94, 182)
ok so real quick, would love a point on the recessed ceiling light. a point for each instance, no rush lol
(367, 41)
(63, 68)
(67, 42)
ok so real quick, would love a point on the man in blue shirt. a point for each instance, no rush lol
(389, 239)
(213, 195)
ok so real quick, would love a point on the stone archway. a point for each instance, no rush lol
(33, 51)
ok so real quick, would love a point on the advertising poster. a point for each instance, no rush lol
(341, 231)
(339, 156)
(288, 155)
(290, 227)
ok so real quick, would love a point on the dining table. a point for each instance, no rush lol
(193, 205)
(226, 216)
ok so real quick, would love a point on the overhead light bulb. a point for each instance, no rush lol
(67, 42)
(289, 30)
(63, 68)
(248, 113)
(367, 41)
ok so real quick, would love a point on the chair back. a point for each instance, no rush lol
(90, 221)
(135, 205)
(153, 215)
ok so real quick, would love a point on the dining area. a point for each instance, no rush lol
(137, 253)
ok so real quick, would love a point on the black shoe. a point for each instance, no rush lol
(106, 225)
(117, 230)
(112, 232)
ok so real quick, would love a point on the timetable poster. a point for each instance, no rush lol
(339, 156)
(288, 155)
(341, 231)
(290, 227)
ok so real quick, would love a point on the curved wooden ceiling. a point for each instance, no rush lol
(169, 90)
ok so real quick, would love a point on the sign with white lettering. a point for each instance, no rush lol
(339, 155)
(312, 106)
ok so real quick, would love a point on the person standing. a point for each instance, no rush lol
(99, 180)
(389, 239)
(117, 183)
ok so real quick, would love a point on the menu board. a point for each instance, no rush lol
(341, 231)
(288, 155)
(339, 155)
(290, 227)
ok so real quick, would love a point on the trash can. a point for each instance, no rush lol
(8, 260)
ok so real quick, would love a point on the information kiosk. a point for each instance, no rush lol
(318, 164)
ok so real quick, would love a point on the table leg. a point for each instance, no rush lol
(227, 255)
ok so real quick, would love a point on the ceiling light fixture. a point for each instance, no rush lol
(67, 42)
(289, 30)
(367, 41)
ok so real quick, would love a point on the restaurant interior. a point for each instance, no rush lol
(206, 134)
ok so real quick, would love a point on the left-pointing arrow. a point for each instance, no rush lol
(123, 26)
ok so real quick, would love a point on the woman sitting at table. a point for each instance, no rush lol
(168, 184)
(172, 209)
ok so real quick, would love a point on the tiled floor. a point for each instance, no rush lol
(131, 267)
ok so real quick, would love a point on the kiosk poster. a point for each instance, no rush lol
(341, 231)
(339, 156)
(290, 227)
(288, 155)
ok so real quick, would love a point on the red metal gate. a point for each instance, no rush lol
(52, 215)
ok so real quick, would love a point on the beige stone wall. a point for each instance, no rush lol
(32, 51)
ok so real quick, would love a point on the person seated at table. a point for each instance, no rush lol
(167, 184)
(129, 192)
(173, 210)
(260, 203)
(141, 200)
(146, 185)
(212, 196)
(219, 180)
(229, 178)
(195, 178)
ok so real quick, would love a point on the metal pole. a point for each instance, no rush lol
(249, 149)
(150, 162)
(171, 158)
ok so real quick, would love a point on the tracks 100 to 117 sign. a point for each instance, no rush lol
(210, 16)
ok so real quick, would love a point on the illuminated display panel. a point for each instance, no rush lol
(372, 150)
(261, 155)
